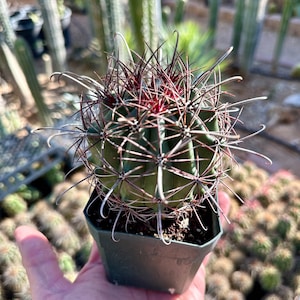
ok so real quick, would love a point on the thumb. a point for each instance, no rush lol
(39, 260)
(224, 202)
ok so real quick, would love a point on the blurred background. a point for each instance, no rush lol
(39, 37)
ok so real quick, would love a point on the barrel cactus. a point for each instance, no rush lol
(155, 137)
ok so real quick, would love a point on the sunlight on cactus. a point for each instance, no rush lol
(154, 137)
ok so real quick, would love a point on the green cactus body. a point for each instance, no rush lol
(15, 279)
(161, 153)
(66, 263)
(285, 225)
(9, 254)
(283, 259)
(270, 278)
(261, 245)
(13, 204)
(157, 135)
(26, 62)
(242, 281)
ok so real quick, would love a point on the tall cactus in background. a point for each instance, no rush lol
(114, 12)
(238, 28)
(146, 23)
(106, 21)
(98, 27)
(151, 22)
(253, 20)
(179, 11)
(54, 34)
(213, 20)
(25, 59)
(8, 64)
(136, 22)
(288, 8)
(7, 33)
(13, 73)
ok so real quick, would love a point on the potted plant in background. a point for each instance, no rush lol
(27, 22)
(155, 139)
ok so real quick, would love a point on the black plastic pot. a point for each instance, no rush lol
(146, 262)
(27, 22)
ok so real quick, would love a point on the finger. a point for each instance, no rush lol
(224, 202)
(94, 255)
(38, 259)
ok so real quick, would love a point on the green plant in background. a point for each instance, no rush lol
(66, 263)
(287, 12)
(214, 6)
(7, 32)
(25, 59)
(191, 38)
(283, 259)
(24, 78)
(106, 22)
(82, 255)
(9, 66)
(15, 280)
(179, 12)
(77, 5)
(270, 241)
(13, 204)
(237, 28)
(9, 254)
(295, 73)
(146, 23)
(55, 175)
(29, 193)
(270, 278)
(284, 225)
(253, 20)
(246, 275)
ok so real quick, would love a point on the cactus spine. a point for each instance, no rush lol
(158, 136)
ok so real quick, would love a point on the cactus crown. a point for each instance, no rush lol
(157, 136)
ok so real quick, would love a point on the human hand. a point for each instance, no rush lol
(47, 281)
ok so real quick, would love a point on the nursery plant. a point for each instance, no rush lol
(156, 142)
